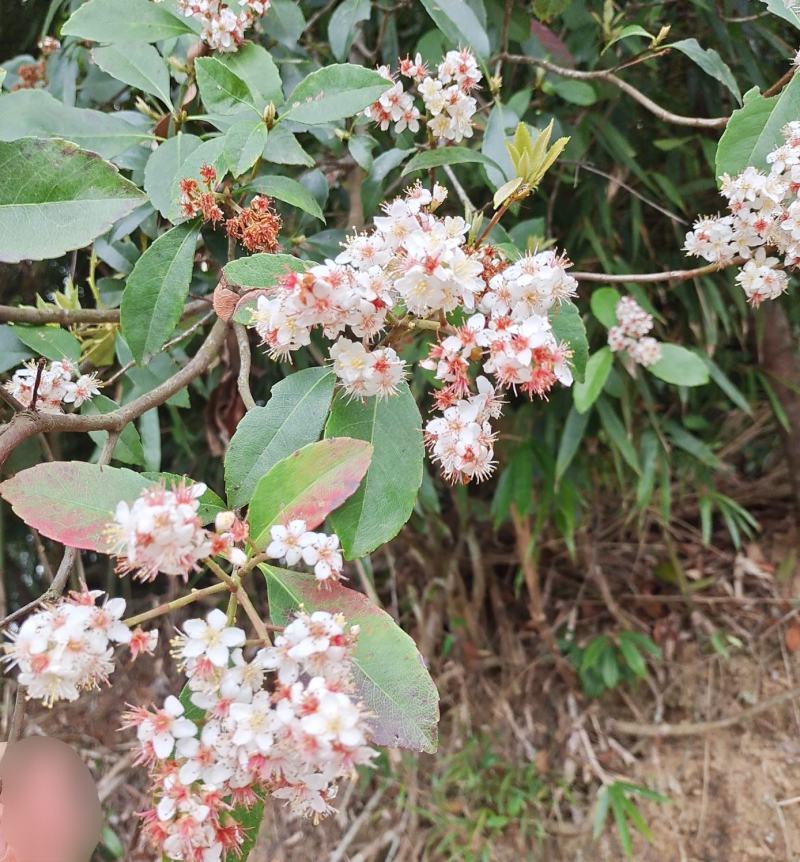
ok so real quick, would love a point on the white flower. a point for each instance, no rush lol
(162, 728)
(212, 638)
(289, 541)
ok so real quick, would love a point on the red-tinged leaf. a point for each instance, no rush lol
(70, 501)
(554, 47)
(308, 485)
(389, 672)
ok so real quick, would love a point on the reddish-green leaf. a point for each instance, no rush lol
(389, 671)
(70, 501)
(308, 485)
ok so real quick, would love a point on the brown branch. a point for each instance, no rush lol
(669, 275)
(27, 424)
(693, 728)
(69, 317)
(245, 359)
(629, 89)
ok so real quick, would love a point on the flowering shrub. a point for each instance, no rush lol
(420, 318)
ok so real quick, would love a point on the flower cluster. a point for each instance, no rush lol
(630, 333)
(66, 647)
(416, 264)
(512, 338)
(292, 733)
(257, 226)
(223, 26)
(59, 384)
(449, 107)
(195, 201)
(293, 542)
(161, 531)
(764, 215)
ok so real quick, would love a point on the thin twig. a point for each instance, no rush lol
(72, 316)
(243, 380)
(693, 728)
(629, 89)
(669, 275)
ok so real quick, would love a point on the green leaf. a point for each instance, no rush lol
(632, 656)
(308, 485)
(72, 502)
(162, 168)
(254, 65)
(385, 500)
(35, 113)
(289, 191)
(710, 62)
(389, 672)
(124, 21)
(726, 385)
(448, 156)
(604, 305)
(56, 197)
(597, 371)
(567, 325)
(343, 23)
(577, 92)
(157, 288)
(12, 351)
(222, 90)
(783, 10)
(52, 342)
(210, 152)
(333, 93)
(293, 417)
(627, 32)
(284, 22)
(244, 143)
(754, 130)
(138, 65)
(679, 366)
(609, 669)
(616, 431)
(691, 444)
(283, 149)
(505, 191)
(460, 24)
(129, 446)
(574, 429)
(261, 270)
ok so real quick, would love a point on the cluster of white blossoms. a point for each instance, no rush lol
(223, 24)
(630, 333)
(414, 264)
(513, 340)
(161, 531)
(764, 218)
(59, 384)
(449, 107)
(293, 542)
(66, 647)
(284, 723)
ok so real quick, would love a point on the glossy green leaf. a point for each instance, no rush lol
(679, 366)
(308, 485)
(459, 22)
(754, 130)
(342, 26)
(289, 191)
(254, 65)
(334, 93)
(574, 429)
(156, 290)
(617, 433)
(125, 21)
(385, 500)
(447, 156)
(52, 342)
(261, 270)
(56, 197)
(787, 11)
(597, 370)
(244, 143)
(13, 352)
(138, 65)
(389, 673)
(568, 326)
(221, 89)
(70, 501)
(604, 305)
(710, 62)
(293, 417)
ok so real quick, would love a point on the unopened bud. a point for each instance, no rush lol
(224, 521)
